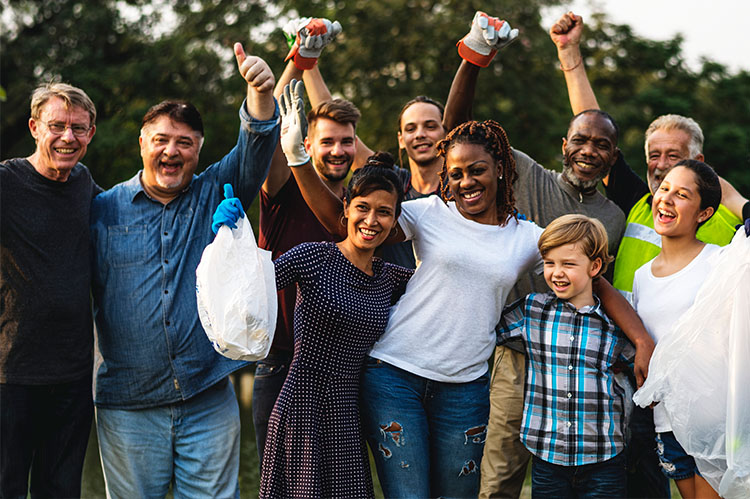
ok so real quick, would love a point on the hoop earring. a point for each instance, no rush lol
(394, 231)
(341, 220)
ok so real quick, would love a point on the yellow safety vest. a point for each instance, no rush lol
(641, 243)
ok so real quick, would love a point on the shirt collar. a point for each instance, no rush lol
(574, 192)
(134, 187)
(595, 309)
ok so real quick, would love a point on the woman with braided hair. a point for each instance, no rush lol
(425, 388)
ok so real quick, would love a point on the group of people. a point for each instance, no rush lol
(394, 292)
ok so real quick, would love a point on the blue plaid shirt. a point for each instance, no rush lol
(151, 347)
(573, 409)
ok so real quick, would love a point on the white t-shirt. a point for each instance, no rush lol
(661, 301)
(443, 327)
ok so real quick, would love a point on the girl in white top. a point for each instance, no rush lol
(665, 287)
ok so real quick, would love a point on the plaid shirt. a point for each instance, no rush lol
(573, 409)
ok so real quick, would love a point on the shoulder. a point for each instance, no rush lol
(397, 271)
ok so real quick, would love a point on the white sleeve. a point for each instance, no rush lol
(411, 212)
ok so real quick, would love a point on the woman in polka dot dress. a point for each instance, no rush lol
(314, 446)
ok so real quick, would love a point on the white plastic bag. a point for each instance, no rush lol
(236, 292)
(701, 373)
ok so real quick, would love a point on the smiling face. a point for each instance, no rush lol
(589, 150)
(676, 206)
(57, 153)
(331, 146)
(370, 219)
(169, 150)
(665, 149)
(472, 179)
(568, 272)
(420, 130)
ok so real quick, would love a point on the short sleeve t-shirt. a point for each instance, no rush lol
(443, 327)
(661, 301)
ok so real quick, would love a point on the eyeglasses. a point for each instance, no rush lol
(59, 128)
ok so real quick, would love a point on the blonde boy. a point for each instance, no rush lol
(573, 410)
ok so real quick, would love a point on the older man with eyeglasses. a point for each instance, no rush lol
(46, 339)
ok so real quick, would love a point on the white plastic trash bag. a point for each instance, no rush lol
(701, 373)
(236, 292)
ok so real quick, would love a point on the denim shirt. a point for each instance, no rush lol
(151, 347)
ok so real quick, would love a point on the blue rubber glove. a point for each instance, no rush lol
(229, 211)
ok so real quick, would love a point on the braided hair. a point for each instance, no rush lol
(490, 135)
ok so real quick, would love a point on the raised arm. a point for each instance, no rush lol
(325, 205)
(566, 35)
(260, 102)
(317, 33)
(477, 49)
(619, 310)
(733, 200)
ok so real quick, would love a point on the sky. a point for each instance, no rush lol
(717, 30)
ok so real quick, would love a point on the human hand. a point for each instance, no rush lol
(566, 32)
(254, 70)
(293, 123)
(643, 352)
(487, 35)
(228, 212)
(307, 37)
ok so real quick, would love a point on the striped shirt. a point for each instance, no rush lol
(573, 409)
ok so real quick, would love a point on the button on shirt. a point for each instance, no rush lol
(152, 349)
(573, 409)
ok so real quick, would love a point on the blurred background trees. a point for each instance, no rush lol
(130, 54)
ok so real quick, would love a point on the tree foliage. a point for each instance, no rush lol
(130, 54)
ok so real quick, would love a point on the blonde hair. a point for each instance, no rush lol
(70, 95)
(587, 233)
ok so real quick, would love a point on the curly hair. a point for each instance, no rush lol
(490, 135)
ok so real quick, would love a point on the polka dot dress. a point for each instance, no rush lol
(314, 446)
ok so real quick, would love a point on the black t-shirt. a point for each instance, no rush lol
(624, 187)
(45, 313)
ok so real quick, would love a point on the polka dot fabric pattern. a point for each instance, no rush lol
(314, 446)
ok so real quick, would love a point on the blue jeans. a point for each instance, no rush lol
(675, 462)
(604, 479)
(195, 444)
(45, 429)
(427, 437)
(645, 479)
(270, 374)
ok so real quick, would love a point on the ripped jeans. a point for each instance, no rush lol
(427, 436)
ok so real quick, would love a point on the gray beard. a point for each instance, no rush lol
(582, 185)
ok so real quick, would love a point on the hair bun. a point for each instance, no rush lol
(381, 159)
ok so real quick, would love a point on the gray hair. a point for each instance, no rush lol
(72, 96)
(677, 122)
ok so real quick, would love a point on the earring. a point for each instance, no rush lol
(394, 231)
(341, 220)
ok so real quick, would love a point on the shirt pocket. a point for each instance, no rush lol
(127, 245)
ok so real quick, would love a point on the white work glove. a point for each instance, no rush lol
(293, 123)
(306, 38)
(487, 35)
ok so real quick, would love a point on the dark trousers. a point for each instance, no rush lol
(604, 479)
(645, 478)
(45, 429)
(270, 374)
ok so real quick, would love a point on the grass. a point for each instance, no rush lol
(93, 481)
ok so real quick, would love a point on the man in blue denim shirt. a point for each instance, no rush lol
(166, 412)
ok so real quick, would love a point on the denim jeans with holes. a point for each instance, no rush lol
(427, 436)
